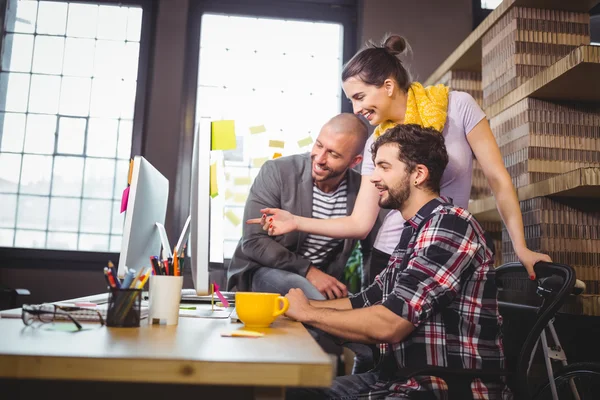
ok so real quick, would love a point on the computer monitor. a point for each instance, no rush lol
(199, 240)
(147, 205)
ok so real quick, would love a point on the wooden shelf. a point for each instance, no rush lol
(572, 78)
(467, 56)
(580, 183)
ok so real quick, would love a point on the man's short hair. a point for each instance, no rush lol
(417, 145)
(351, 124)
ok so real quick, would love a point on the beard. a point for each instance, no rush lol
(396, 197)
(328, 174)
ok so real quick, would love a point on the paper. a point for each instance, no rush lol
(228, 194)
(258, 162)
(257, 129)
(125, 199)
(243, 333)
(220, 296)
(276, 155)
(305, 142)
(130, 173)
(223, 135)
(277, 143)
(242, 180)
(232, 218)
(240, 198)
(214, 189)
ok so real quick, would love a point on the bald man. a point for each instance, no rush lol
(319, 184)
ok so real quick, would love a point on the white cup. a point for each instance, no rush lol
(164, 299)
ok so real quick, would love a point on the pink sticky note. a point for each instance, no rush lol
(124, 199)
(220, 296)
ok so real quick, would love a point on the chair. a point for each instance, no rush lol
(540, 300)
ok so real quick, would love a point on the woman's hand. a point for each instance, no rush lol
(276, 221)
(528, 258)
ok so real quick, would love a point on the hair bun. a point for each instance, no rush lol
(395, 44)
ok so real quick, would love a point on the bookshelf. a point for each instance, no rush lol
(531, 67)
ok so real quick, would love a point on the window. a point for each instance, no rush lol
(279, 81)
(490, 4)
(67, 91)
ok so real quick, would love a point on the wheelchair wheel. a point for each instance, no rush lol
(578, 381)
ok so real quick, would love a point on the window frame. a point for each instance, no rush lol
(344, 12)
(16, 257)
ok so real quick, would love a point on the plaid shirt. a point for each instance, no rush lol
(446, 289)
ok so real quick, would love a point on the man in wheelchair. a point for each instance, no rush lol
(435, 304)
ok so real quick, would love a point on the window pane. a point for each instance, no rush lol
(99, 178)
(93, 242)
(112, 23)
(36, 174)
(102, 137)
(68, 176)
(17, 90)
(33, 212)
(71, 135)
(6, 237)
(13, 132)
(82, 20)
(75, 96)
(41, 131)
(68, 80)
(30, 239)
(45, 91)
(62, 241)
(8, 211)
(24, 16)
(79, 57)
(10, 172)
(20, 54)
(52, 18)
(115, 243)
(48, 55)
(64, 215)
(95, 216)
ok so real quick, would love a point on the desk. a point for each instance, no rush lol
(191, 353)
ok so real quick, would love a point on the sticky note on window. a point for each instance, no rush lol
(276, 155)
(305, 142)
(240, 198)
(257, 129)
(242, 180)
(230, 215)
(124, 199)
(223, 135)
(277, 143)
(258, 162)
(214, 190)
(228, 194)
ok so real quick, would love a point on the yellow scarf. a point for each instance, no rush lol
(425, 106)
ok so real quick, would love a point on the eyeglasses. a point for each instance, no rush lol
(45, 313)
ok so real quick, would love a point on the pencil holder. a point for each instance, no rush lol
(165, 296)
(124, 308)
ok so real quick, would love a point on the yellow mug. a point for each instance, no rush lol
(259, 310)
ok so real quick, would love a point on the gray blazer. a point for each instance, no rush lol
(286, 183)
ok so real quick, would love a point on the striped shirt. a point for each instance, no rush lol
(446, 289)
(317, 248)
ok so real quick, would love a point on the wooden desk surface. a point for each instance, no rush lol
(191, 352)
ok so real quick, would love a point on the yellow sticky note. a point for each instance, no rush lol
(305, 142)
(276, 155)
(214, 190)
(240, 198)
(130, 173)
(228, 194)
(232, 217)
(277, 143)
(257, 129)
(242, 180)
(258, 162)
(223, 135)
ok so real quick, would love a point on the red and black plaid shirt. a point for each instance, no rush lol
(446, 289)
